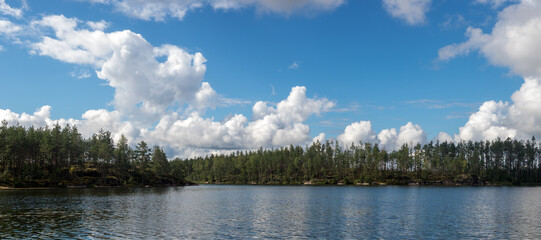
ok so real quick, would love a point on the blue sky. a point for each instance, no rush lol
(381, 62)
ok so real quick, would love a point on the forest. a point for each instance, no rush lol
(499, 162)
(61, 157)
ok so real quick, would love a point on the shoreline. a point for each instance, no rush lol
(382, 185)
(308, 183)
(91, 187)
(233, 184)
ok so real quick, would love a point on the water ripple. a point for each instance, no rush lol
(272, 212)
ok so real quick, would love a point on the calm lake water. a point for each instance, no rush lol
(228, 212)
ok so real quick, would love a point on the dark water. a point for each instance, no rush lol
(227, 212)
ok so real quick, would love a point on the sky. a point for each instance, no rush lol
(210, 76)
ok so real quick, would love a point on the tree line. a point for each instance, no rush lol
(60, 157)
(465, 163)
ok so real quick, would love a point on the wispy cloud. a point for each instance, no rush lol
(234, 101)
(437, 104)
(294, 65)
(357, 107)
(5, 9)
(80, 73)
(160, 10)
(413, 12)
(454, 22)
(352, 107)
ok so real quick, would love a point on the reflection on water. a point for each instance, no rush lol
(226, 212)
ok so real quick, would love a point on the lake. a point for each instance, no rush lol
(231, 211)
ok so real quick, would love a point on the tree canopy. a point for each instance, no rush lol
(62, 157)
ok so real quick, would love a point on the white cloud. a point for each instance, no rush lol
(525, 113)
(7, 10)
(514, 43)
(411, 11)
(357, 132)
(94, 120)
(410, 134)
(8, 28)
(270, 126)
(389, 139)
(206, 97)
(276, 126)
(477, 39)
(519, 119)
(489, 122)
(319, 138)
(159, 10)
(149, 90)
(99, 25)
(38, 119)
(156, 10)
(444, 137)
(143, 85)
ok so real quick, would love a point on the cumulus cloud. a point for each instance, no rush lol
(143, 85)
(410, 134)
(389, 139)
(489, 122)
(153, 84)
(269, 127)
(40, 118)
(519, 119)
(94, 120)
(319, 138)
(5, 9)
(357, 132)
(275, 126)
(99, 25)
(411, 11)
(444, 137)
(525, 112)
(159, 10)
(514, 43)
(91, 122)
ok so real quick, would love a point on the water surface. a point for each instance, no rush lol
(228, 212)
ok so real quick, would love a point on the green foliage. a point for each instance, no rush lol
(61, 157)
(434, 163)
